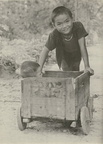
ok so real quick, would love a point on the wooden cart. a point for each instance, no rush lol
(57, 95)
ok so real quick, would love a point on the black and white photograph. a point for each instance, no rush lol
(51, 71)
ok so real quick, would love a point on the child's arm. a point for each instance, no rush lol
(84, 54)
(43, 57)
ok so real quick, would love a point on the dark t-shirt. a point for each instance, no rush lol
(71, 49)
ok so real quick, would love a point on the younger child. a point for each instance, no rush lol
(29, 69)
(68, 38)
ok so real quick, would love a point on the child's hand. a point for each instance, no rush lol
(88, 69)
(39, 72)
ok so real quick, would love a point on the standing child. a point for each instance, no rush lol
(68, 38)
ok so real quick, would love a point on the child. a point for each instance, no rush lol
(68, 38)
(29, 69)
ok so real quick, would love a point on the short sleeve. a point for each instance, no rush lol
(81, 32)
(51, 44)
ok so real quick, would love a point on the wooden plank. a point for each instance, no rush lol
(82, 83)
(26, 98)
(48, 107)
(62, 74)
(82, 76)
(82, 91)
(90, 107)
(76, 100)
(70, 100)
(48, 97)
(48, 87)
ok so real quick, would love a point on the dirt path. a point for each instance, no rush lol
(50, 133)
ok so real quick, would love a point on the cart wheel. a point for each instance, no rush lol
(85, 120)
(20, 122)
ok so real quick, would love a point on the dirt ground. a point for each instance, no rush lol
(50, 132)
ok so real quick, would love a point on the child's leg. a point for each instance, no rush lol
(76, 66)
(73, 66)
(65, 66)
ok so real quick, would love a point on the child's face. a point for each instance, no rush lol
(63, 23)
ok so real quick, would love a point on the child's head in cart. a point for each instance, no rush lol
(29, 69)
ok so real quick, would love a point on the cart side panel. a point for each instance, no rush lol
(82, 91)
(62, 74)
(48, 98)
(48, 108)
(70, 100)
(26, 98)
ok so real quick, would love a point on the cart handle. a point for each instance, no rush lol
(90, 74)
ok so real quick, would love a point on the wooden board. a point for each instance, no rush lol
(54, 97)
(48, 98)
(90, 107)
(70, 100)
(44, 97)
(82, 91)
(52, 108)
(62, 74)
(26, 98)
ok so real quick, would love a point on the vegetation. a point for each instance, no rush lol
(25, 24)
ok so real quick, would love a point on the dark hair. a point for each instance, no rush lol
(31, 64)
(60, 10)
